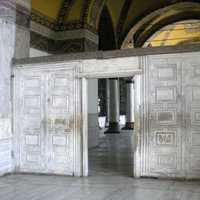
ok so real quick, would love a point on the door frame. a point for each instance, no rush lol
(84, 77)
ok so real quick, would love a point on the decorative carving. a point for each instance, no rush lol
(165, 94)
(32, 140)
(45, 137)
(165, 138)
(166, 161)
(167, 73)
(195, 138)
(169, 117)
(59, 140)
(196, 93)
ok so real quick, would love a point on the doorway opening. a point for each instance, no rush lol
(110, 144)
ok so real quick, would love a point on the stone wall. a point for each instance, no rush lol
(14, 42)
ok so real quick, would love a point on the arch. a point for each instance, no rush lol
(107, 37)
(94, 12)
(146, 27)
(164, 36)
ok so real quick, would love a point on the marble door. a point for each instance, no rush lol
(170, 145)
(60, 121)
(44, 107)
(191, 106)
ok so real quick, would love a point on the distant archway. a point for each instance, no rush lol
(150, 24)
(179, 33)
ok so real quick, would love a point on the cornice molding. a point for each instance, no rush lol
(61, 46)
(64, 35)
(15, 12)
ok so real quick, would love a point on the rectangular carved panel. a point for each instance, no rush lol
(33, 158)
(196, 138)
(165, 94)
(163, 162)
(166, 138)
(60, 101)
(194, 162)
(32, 83)
(32, 140)
(196, 93)
(32, 101)
(195, 116)
(164, 117)
(59, 140)
(167, 73)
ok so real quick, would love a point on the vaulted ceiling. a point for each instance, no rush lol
(66, 14)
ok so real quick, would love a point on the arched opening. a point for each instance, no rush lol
(154, 22)
(179, 33)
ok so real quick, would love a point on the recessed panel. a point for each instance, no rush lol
(59, 140)
(164, 161)
(196, 71)
(195, 119)
(32, 101)
(165, 138)
(32, 123)
(165, 94)
(32, 82)
(166, 116)
(167, 73)
(196, 138)
(32, 140)
(196, 94)
(35, 158)
(60, 82)
(61, 159)
(60, 101)
(195, 161)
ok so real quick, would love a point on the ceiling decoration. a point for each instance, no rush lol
(126, 15)
(64, 10)
(182, 32)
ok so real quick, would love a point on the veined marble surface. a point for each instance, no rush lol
(32, 187)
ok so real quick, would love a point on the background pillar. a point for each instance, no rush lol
(107, 102)
(114, 115)
(129, 105)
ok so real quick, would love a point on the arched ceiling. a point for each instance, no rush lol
(181, 32)
(77, 13)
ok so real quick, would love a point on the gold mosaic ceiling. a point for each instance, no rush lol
(132, 10)
(124, 13)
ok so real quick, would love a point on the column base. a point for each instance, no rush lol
(113, 128)
(129, 126)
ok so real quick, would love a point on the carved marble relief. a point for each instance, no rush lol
(46, 139)
(172, 137)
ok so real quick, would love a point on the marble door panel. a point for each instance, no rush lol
(191, 103)
(45, 120)
(60, 128)
(30, 122)
(163, 150)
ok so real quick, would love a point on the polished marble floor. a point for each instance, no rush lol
(113, 155)
(110, 179)
(35, 187)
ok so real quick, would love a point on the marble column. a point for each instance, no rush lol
(129, 104)
(13, 43)
(114, 115)
(107, 103)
